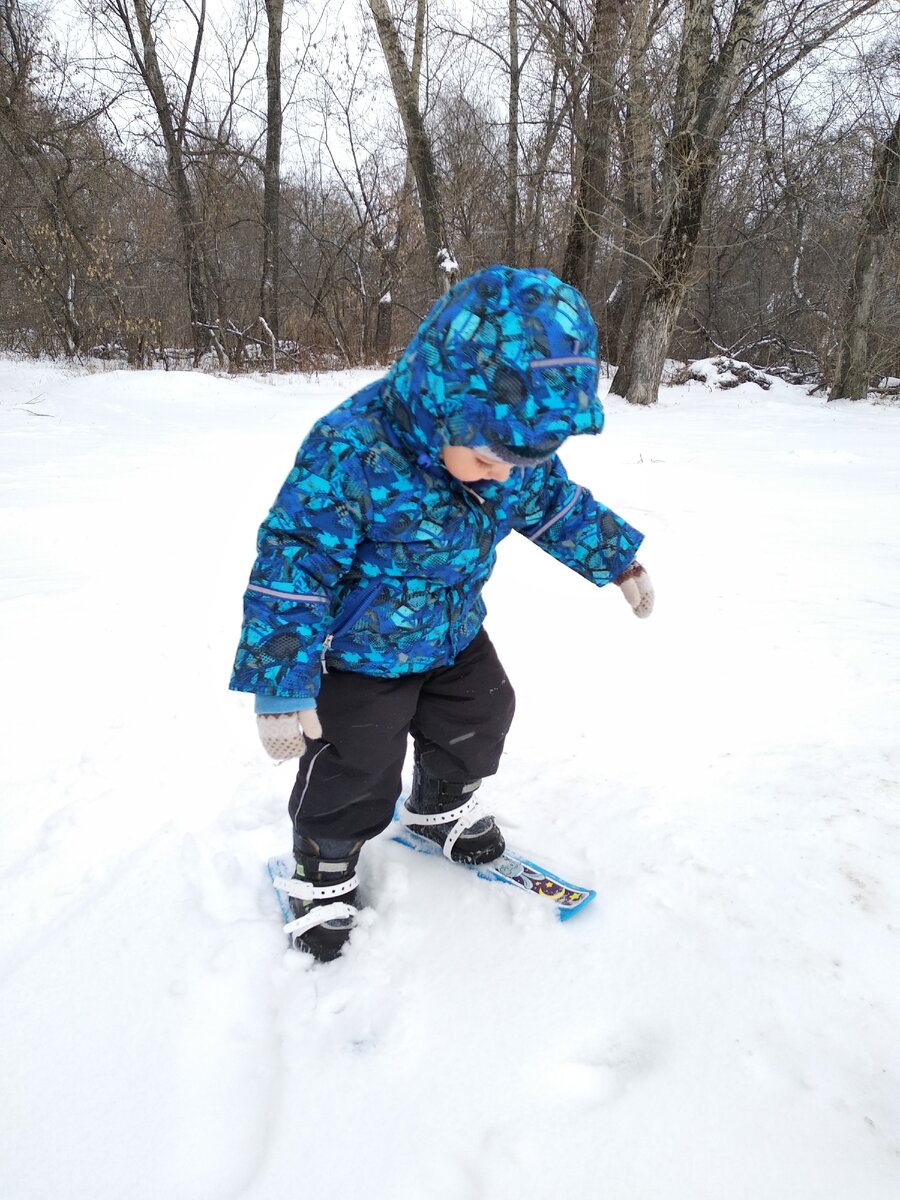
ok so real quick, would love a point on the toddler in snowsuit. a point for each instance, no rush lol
(363, 615)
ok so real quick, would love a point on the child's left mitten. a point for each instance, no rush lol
(637, 589)
(284, 735)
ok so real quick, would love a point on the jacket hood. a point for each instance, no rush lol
(507, 359)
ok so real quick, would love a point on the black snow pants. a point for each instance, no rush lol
(348, 782)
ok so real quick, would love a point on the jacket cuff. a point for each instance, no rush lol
(282, 704)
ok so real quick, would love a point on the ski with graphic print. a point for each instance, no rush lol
(510, 868)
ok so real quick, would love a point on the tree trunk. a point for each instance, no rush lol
(640, 371)
(581, 243)
(383, 321)
(147, 63)
(418, 144)
(639, 199)
(880, 215)
(704, 95)
(272, 173)
(512, 139)
(537, 181)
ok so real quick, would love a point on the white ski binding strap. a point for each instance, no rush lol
(464, 818)
(319, 916)
(300, 889)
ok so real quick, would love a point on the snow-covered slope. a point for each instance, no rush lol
(721, 1024)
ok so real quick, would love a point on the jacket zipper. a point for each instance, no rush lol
(346, 621)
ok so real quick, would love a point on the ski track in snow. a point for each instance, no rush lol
(721, 1022)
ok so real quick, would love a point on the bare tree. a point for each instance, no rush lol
(418, 145)
(57, 173)
(272, 169)
(706, 86)
(511, 207)
(684, 161)
(636, 186)
(708, 95)
(601, 54)
(134, 21)
(880, 218)
(541, 141)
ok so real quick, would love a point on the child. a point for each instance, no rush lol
(363, 616)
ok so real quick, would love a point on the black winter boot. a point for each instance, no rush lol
(479, 842)
(323, 883)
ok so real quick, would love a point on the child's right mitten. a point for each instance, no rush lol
(637, 589)
(283, 735)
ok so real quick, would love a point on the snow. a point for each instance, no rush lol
(446, 261)
(721, 1022)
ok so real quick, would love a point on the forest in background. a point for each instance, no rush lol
(281, 185)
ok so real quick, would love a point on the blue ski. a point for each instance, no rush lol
(282, 867)
(514, 869)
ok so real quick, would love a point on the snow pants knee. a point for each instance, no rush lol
(349, 781)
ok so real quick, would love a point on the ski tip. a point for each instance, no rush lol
(586, 897)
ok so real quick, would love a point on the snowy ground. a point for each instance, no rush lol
(722, 1023)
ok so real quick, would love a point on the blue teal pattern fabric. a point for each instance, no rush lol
(506, 358)
(373, 557)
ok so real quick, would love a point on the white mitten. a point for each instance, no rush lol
(282, 734)
(637, 589)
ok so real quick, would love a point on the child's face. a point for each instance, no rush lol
(468, 466)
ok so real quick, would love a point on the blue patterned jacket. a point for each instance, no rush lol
(373, 557)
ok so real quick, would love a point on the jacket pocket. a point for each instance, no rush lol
(348, 616)
(346, 619)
